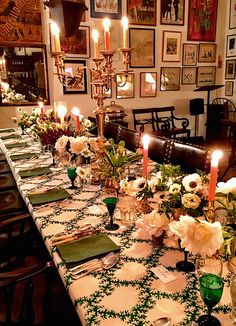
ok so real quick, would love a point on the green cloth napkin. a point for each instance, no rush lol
(13, 145)
(10, 136)
(86, 248)
(16, 157)
(49, 196)
(34, 172)
(7, 130)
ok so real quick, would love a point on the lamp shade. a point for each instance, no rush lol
(67, 14)
(196, 106)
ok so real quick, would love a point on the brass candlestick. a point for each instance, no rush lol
(210, 211)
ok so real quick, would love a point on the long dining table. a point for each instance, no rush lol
(129, 293)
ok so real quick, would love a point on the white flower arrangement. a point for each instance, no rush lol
(226, 197)
(153, 224)
(198, 236)
(84, 174)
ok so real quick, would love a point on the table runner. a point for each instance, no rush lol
(129, 293)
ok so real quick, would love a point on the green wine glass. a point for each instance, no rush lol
(111, 206)
(211, 289)
(71, 172)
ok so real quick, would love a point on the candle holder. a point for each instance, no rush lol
(210, 211)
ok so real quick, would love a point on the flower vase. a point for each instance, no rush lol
(144, 206)
(157, 241)
(176, 213)
(112, 183)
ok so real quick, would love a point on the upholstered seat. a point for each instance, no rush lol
(158, 149)
(4, 167)
(11, 202)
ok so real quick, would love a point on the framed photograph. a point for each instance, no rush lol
(72, 68)
(142, 12)
(148, 84)
(171, 46)
(190, 51)
(189, 75)
(206, 76)
(231, 46)
(126, 90)
(202, 19)
(229, 88)
(230, 69)
(143, 43)
(207, 52)
(170, 79)
(20, 22)
(78, 45)
(232, 14)
(172, 13)
(111, 9)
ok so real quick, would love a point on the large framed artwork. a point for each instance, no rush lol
(20, 22)
(170, 78)
(143, 43)
(78, 44)
(231, 46)
(171, 46)
(148, 84)
(142, 12)
(202, 18)
(232, 14)
(72, 68)
(190, 54)
(101, 8)
(206, 76)
(172, 13)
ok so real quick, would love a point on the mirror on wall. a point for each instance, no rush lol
(23, 75)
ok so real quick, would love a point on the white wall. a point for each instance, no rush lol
(178, 98)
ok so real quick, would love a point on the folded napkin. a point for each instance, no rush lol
(48, 196)
(7, 130)
(34, 172)
(16, 157)
(13, 145)
(86, 248)
(10, 136)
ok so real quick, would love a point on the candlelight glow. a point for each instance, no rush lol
(95, 35)
(40, 104)
(55, 29)
(125, 22)
(106, 24)
(215, 157)
(61, 111)
(146, 141)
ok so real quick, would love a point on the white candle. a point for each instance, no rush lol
(56, 37)
(146, 141)
(40, 104)
(216, 156)
(95, 36)
(106, 25)
(61, 112)
(125, 24)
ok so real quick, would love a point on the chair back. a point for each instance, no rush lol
(158, 149)
(130, 137)
(189, 157)
(228, 107)
(112, 130)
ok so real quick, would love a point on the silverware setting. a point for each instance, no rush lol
(106, 262)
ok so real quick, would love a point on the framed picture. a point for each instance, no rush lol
(110, 9)
(107, 90)
(229, 88)
(190, 54)
(142, 12)
(202, 18)
(231, 46)
(206, 76)
(172, 13)
(170, 78)
(230, 69)
(143, 43)
(148, 84)
(20, 22)
(78, 44)
(232, 14)
(207, 52)
(171, 46)
(72, 68)
(189, 75)
(126, 90)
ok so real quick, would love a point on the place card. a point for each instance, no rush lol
(163, 274)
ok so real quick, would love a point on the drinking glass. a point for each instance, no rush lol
(212, 265)
(71, 172)
(110, 199)
(211, 289)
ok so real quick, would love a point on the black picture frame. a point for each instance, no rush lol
(107, 12)
(230, 67)
(71, 68)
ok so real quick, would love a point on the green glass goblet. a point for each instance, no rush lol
(71, 172)
(111, 206)
(211, 289)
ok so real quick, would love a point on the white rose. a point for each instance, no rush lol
(77, 145)
(61, 143)
(227, 187)
(191, 201)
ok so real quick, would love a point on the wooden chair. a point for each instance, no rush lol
(159, 149)
(130, 137)
(189, 157)
(112, 130)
